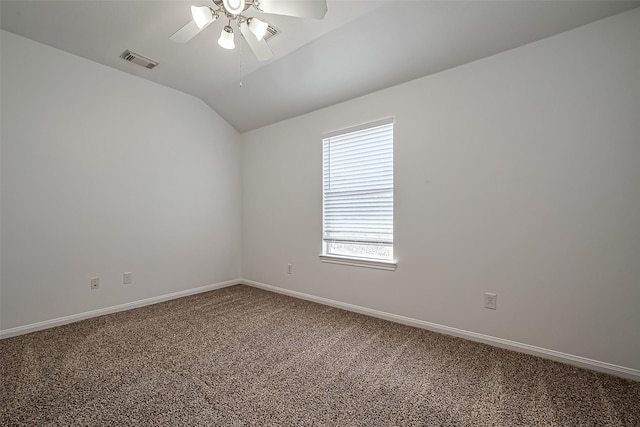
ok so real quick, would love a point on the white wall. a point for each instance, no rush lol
(103, 173)
(517, 174)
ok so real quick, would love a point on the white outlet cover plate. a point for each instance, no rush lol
(490, 301)
(127, 278)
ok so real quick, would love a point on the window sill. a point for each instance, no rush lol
(360, 262)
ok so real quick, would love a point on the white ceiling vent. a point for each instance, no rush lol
(136, 58)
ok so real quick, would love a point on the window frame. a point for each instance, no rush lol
(377, 263)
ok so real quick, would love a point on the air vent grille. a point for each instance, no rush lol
(138, 59)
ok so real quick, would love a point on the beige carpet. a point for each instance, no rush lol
(241, 356)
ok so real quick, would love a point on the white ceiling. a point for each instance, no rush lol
(360, 47)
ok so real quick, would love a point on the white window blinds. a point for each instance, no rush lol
(358, 192)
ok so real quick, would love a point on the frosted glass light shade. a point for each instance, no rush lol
(202, 16)
(258, 28)
(226, 38)
(234, 7)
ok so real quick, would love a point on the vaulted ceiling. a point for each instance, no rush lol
(359, 47)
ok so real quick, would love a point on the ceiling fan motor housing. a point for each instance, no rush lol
(233, 7)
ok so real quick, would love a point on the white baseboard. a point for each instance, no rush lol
(21, 330)
(570, 359)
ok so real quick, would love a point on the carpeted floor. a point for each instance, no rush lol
(241, 356)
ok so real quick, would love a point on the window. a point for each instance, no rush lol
(357, 216)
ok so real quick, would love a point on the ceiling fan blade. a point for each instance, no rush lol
(186, 33)
(315, 9)
(260, 48)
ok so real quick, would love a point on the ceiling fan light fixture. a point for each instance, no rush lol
(202, 16)
(255, 32)
(234, 7)
(226, 38)
(258, 27)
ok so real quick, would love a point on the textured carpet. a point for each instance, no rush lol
(241, 356)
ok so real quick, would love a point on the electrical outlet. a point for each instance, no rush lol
(95, 282)
(289, 269)
(127, 278)
(490, 301)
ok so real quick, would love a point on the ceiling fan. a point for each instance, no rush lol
(252, 29)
